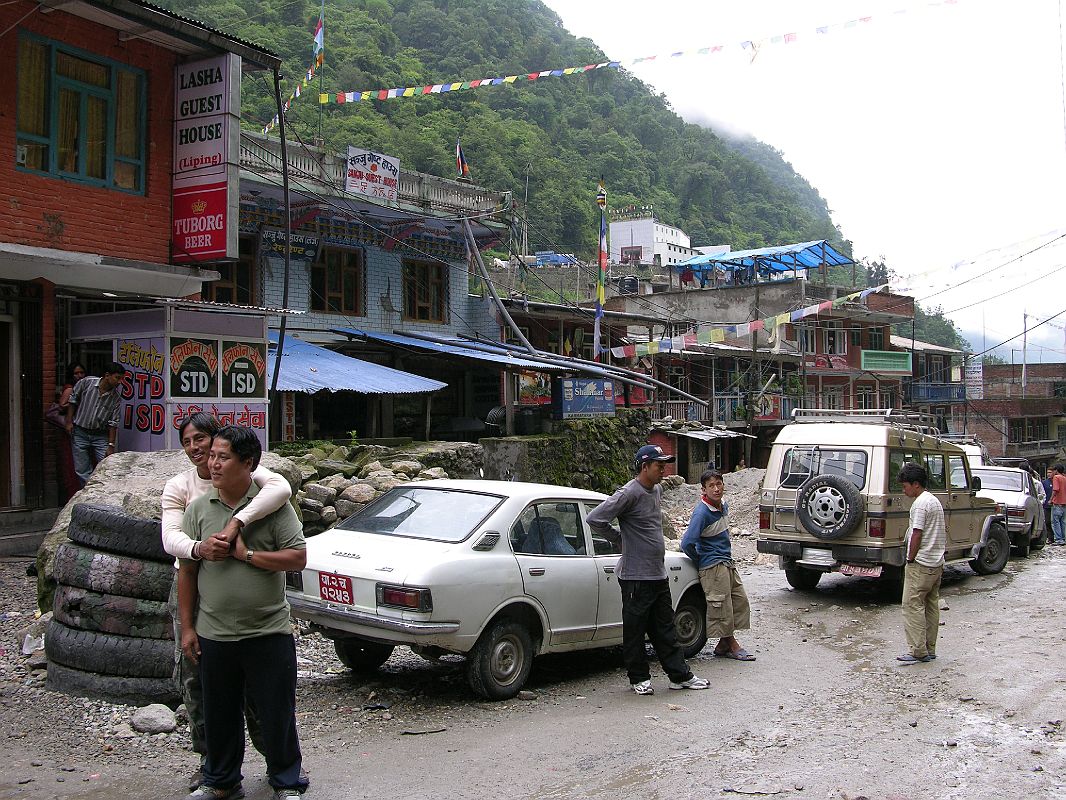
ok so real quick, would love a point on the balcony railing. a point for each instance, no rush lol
(936, 392)
(262, 154)
(1037, 447)
(726, 409)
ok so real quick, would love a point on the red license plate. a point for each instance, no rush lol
(863, 571)
(337, 588)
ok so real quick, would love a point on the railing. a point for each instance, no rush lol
(936, 392)
(684, 410)
(726, 408)
(1034, 448)
(262, 154)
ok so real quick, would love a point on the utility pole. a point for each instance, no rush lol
(1025, 338)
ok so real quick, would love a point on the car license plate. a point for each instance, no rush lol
(863, 571)
(337, 588)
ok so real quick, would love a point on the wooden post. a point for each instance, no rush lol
(429, 416)
(508, 403)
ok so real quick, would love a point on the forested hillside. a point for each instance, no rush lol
(564, 132)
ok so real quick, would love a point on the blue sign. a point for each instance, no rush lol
(578, 398)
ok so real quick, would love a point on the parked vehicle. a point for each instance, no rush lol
(1018, 498)
(497, 571)
(831, 501)
(976, 452)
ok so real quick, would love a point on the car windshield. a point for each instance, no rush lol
(802, 462)
(444, 515)
(993, 479)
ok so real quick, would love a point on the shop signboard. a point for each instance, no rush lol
(577, 398)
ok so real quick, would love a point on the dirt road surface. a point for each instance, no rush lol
(825, 712)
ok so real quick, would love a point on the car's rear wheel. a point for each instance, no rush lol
(361, 656)
(1023, 541)
(690, 622)
(499, 664)
(994, 555)
(802, 578)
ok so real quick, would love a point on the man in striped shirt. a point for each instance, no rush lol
(92, 419)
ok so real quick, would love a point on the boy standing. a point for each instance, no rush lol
(706, 542)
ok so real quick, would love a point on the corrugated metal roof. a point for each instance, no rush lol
(454, 347)
(309, 368)
(782, 258)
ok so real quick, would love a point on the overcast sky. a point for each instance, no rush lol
(936, 135)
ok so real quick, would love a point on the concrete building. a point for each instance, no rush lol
(638, 237)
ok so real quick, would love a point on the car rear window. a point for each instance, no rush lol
(444, 515)
(991, 479)
(801, 463)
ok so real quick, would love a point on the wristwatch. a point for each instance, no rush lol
(248, 555)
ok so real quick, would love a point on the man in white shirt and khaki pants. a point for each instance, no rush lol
(925, 544)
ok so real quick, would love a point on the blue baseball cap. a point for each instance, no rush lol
(650, 452)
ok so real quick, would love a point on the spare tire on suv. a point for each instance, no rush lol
(829, 507)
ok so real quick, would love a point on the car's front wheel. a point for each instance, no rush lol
(690, 622)
(361, 656)
(994, 554)
(499, 664)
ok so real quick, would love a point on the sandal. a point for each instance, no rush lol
(736, 655)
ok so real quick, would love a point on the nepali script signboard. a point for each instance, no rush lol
(372, 175)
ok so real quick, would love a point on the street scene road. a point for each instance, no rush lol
(825, 712)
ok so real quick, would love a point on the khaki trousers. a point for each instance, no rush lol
(921, 608)
(727, 602)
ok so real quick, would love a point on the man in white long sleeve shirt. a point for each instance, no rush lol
(196, 433)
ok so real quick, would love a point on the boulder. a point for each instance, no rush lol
(307, 504)
(408, 468)
(360, 493)
(323, 494)
(331, 467)
(307, 471)
(433, 473)
(153, 719)
(311, 518)
(338, 482)
(384, 472)
(373, 466)
(329, 515)
(339, 453)
(315, 454)
(345, 508)
(385, 482)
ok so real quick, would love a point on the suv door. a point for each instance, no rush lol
(966, 520)
(549, 541)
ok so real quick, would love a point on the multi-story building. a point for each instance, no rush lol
(638, 237)
(936, 385)
(92, 213)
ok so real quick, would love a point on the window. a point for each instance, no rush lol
(425, 291)
(835, 343)
(833, 399)
(801, 463)
(549, 529)
(79, 116)
(957, 465)
(238, 278)
(1058, 389)
(865, 397)
(876, 337)
(1027, 430)
(416, 513)
(936, 369)
(806, 341)
(856, 336)
(603, 545)
(337, 282)
(934, 466)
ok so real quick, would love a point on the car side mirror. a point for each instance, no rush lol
(975, 483)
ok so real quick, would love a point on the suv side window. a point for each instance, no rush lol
(958, 472)
(896, 460)
(934, 465)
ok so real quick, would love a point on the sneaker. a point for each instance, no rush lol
(907, 658)
(691, 683)
(204, 792)
(285, 794)
(644, 687)
(195, 779)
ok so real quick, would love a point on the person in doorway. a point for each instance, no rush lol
(68, 478)
(235, 624)
(706, 542)
(195, 434)
(925, 544)
(1058, 504)
(646, 605)
(92, 419)
(740, 465)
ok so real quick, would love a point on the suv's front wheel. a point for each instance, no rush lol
(994, 555)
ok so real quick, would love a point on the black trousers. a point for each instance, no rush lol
(647, 610)
(264, 668)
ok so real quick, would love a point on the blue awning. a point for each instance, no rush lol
(455, 347)
(309, 368)
(783, 258)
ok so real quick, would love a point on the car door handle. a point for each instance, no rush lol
(675, 567)
(536, 571)
(609, 570)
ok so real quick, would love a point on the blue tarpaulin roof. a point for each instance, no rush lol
(783, 258)
(455, 347)
(309, 368)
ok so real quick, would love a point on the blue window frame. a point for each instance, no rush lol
(80, 117)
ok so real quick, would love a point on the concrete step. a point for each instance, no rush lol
(22, 530)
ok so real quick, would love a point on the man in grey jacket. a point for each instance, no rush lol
(646, 605)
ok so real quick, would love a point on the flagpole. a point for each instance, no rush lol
(321, 106)
(601, 269)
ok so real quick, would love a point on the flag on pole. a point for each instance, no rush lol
(601, 270)
(461, 167)
(320, 37)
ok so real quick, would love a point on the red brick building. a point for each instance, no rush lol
(87, 133)
(1022, 416)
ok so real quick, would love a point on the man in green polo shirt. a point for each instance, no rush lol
(235, 624)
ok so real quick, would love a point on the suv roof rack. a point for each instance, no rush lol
(962, 438)
(905, 420)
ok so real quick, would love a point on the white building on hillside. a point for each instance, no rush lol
(637, 237)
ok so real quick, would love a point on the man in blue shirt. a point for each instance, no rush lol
(706, 542)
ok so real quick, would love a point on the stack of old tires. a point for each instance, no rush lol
(111, 635)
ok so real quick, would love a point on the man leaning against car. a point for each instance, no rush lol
(925, 545)
(646, 603)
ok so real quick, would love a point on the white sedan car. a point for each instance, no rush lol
(497, 571)
(1015, 491)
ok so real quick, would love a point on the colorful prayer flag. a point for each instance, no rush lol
(461, 166)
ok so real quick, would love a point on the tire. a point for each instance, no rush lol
(113, 530)
(361, 656)
(803, 579)
(108, 573)
(109, 654)
(112, 688)
(1026, 537)
(1041, 540)
(994, 555)
(111, 613)
(829, 507)
(690, 622)
(890, 584)
(498, 666)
